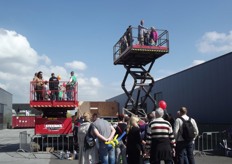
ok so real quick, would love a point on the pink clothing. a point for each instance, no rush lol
(154, 36)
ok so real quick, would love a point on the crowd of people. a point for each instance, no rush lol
(52, 89)
(146, 36)
(155, 138)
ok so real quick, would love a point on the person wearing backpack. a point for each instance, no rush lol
(185, 131)
(87, 154)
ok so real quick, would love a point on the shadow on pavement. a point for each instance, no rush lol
(9, 147)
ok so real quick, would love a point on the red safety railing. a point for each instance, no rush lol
(60, 94)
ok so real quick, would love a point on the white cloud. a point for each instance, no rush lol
(194, 63)
(78, 65)
(45, 59)
(95, 82)
(19, 62)
(214, 42)
(90, 88)
(2, 85)
(197, 62)
(16, 55)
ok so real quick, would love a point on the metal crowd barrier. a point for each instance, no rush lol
(208, 142)
(53, 143)
(48, 143)
(24, 142)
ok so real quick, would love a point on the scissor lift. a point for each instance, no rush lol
(138, 60)
(54, 128)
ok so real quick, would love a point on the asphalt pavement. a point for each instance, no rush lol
(11, 154)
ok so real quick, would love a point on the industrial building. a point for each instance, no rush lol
(5, 109)
(204, 89)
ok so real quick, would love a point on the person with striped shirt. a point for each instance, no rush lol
(160, 141)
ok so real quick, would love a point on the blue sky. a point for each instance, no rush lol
(59, 36)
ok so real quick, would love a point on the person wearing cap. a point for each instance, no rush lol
(160, 141)
(71, 86)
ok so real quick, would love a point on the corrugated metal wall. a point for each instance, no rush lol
(204, 89)
(5, 109)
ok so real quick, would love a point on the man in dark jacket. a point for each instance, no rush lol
(53, 86)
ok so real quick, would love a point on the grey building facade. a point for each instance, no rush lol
(5, 109)
(204, 89)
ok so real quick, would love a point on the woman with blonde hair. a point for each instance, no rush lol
(86, 156)
(134, 141)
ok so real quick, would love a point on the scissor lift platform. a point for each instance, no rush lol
(138, 60)
(140, 55)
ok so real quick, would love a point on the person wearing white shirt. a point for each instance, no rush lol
(183, 146)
